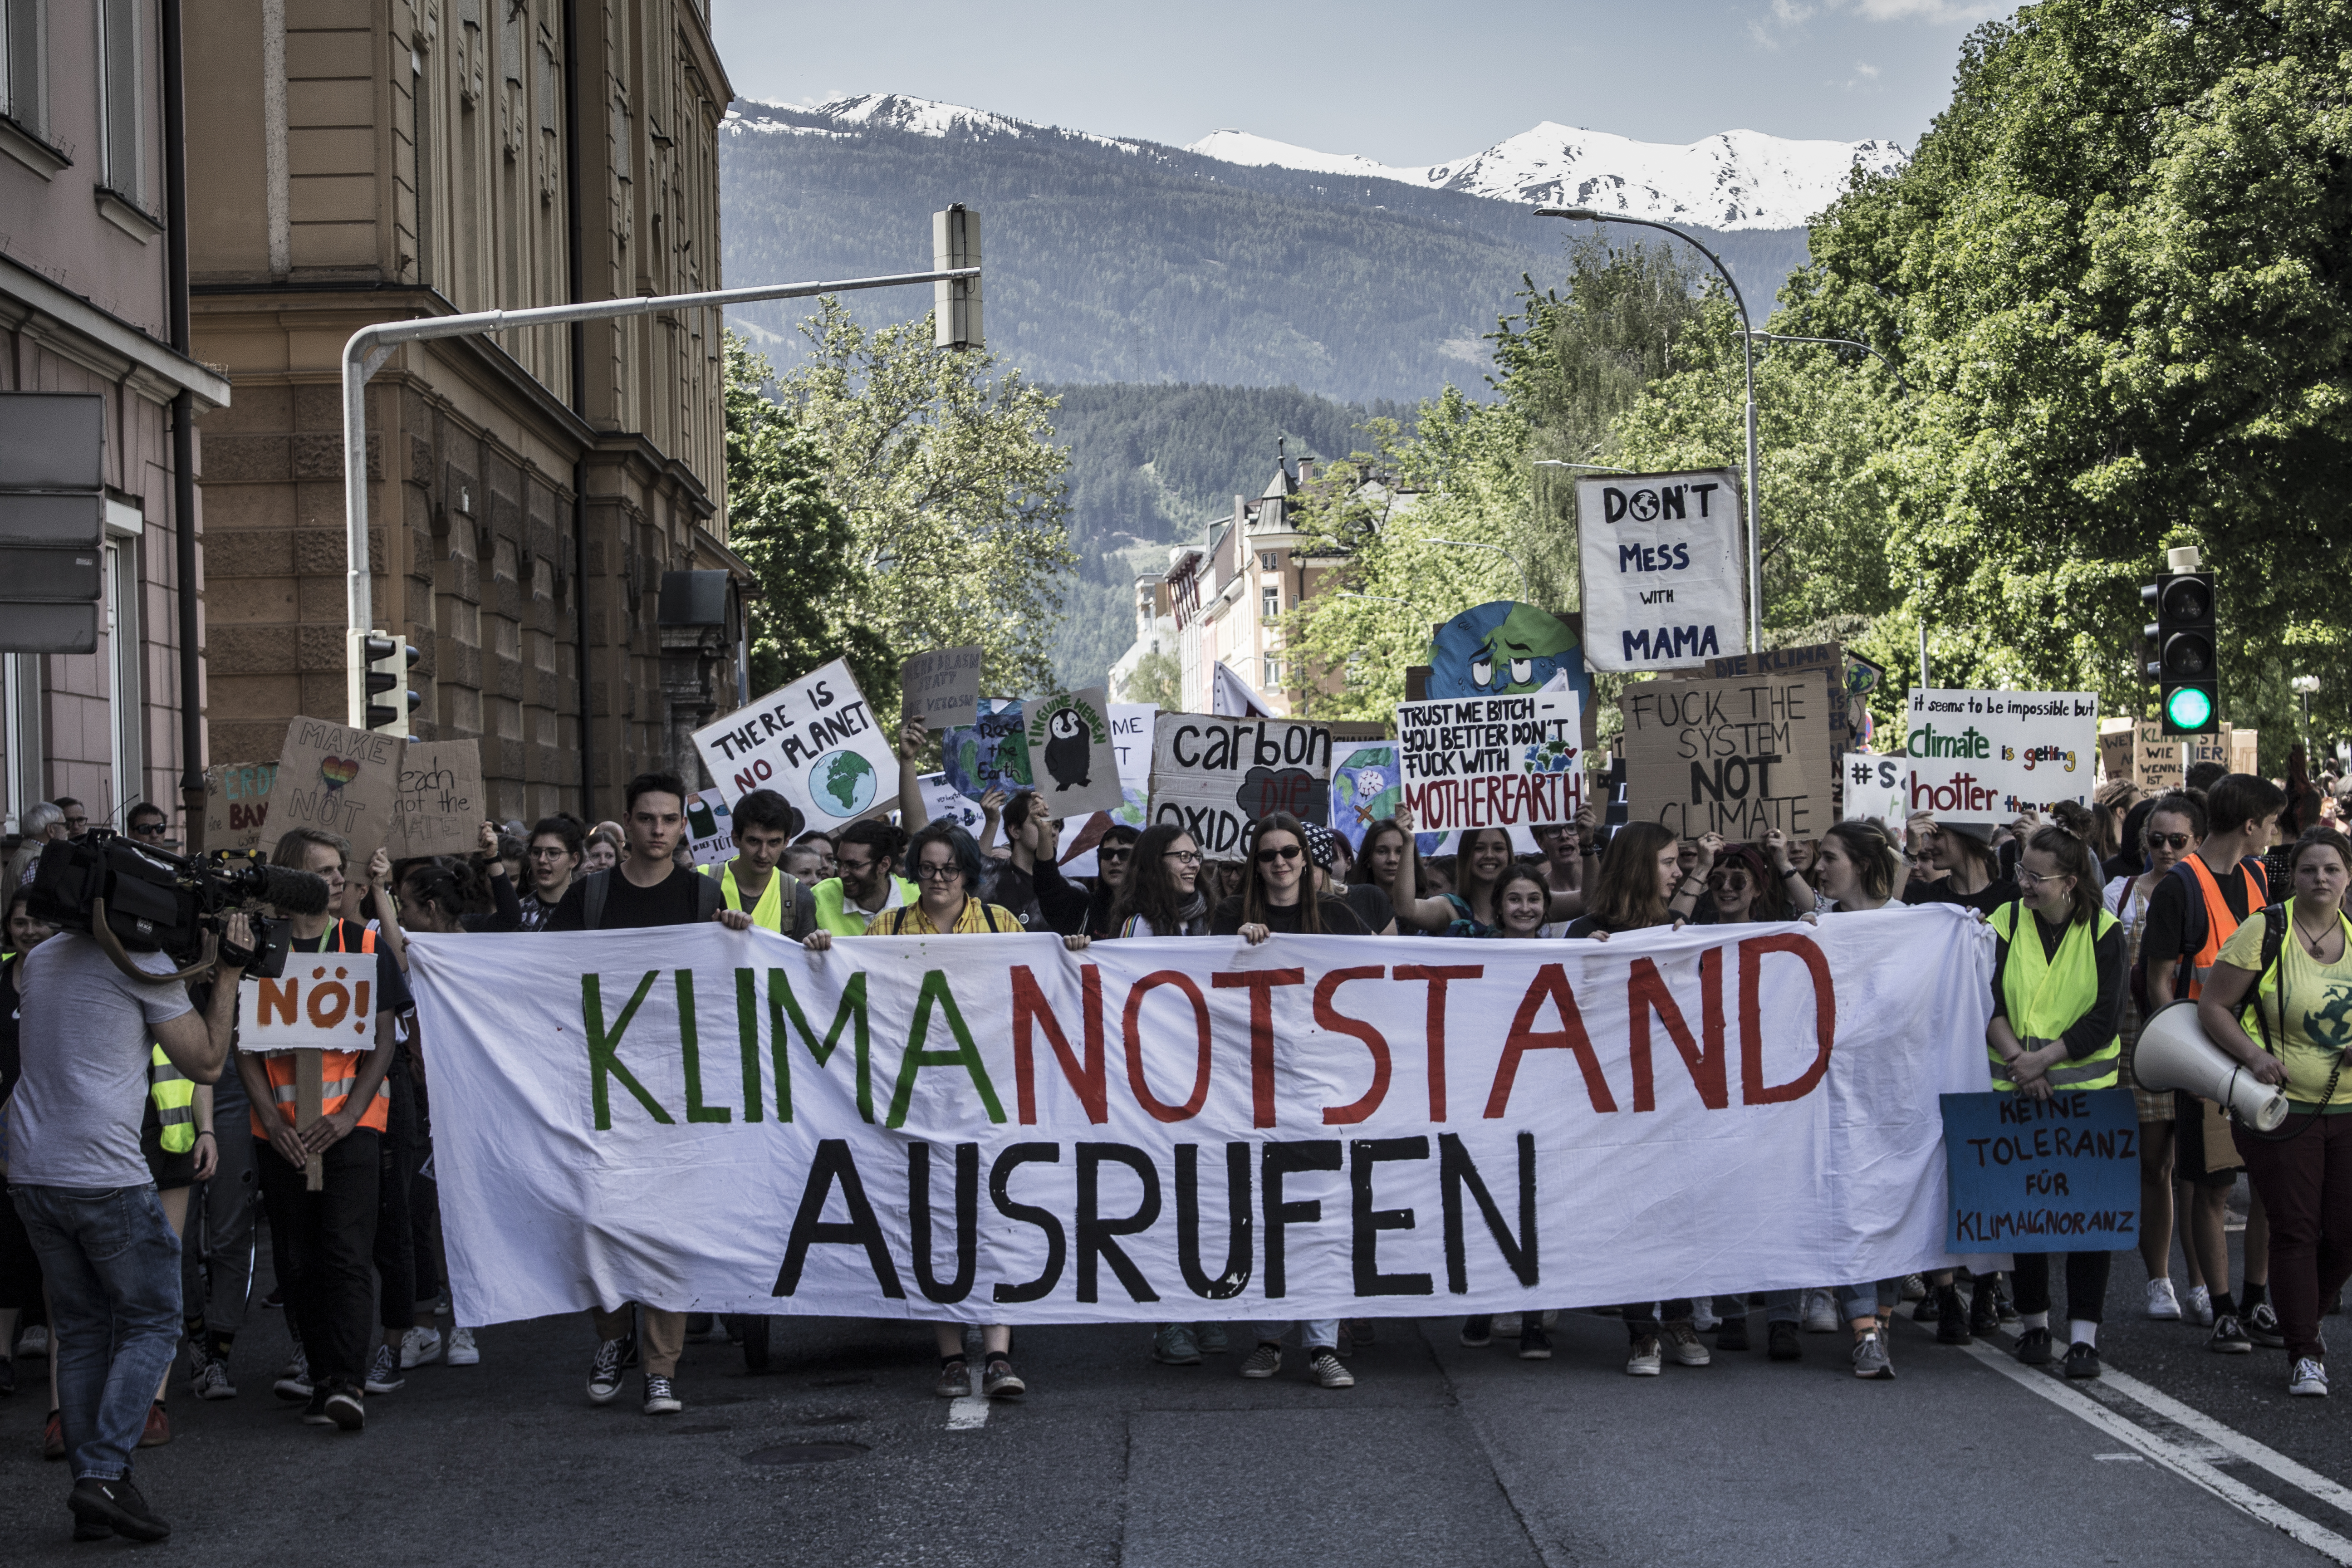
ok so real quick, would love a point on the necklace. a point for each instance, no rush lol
(2315, 942)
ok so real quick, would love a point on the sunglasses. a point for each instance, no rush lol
(1119, 852)
(1279, 852)
(147, 829)
(2175, 840)
(1727, 879)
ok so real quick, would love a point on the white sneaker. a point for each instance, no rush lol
(2310, 1378)
(1646, 1360)
(2199, 1309)
(1682, 1339)
(1703, 1316)
(419, 1346)
(2162, 1304)
(461, 1348)
(1507, 1325)
(1820, 1311)
(35, 1345)
(211, 1380)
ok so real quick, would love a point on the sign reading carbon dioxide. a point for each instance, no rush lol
(814, 742)
(1661, 564)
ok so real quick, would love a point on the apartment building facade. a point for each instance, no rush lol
(364, 160)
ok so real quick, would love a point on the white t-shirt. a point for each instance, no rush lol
(87, 1035)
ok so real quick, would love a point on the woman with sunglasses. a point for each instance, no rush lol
(1115, 866)
(2174, 828)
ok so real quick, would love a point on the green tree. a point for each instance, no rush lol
(1158, 677)
(953, 492)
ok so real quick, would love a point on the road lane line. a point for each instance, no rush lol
(2235, 1442)
(971, 1413)
(2236, 1493)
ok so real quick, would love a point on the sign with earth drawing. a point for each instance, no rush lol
(1072, 754)
(814, 741)
(990, 753)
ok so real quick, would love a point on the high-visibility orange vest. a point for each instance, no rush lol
(2220, 923)
(338, 1070)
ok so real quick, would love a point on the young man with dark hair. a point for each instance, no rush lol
(147, 823)
(647, 889)
(750, 884)
(551, 861)
(2207, 895)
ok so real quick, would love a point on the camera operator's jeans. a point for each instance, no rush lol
(113, 1267)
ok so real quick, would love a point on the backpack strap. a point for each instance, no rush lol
(990, 913)
(593, 889)
(2273, 943)
(803, 915)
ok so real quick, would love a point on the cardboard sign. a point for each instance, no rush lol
(1846, 679)
(323, 1002)
(2054, 1176)
(814, 741)
(236, 803)
(1664, 571)
(2214, 748)
(941, 687)
(440, 804)
(1215, 776)
(992, 752)
(2115, 741)
(710, 828)
(1073, 759)
(1986, 756)
(2245, 752)
(1491, 762)
(336, 778)
(941, 803)
(1734, 757)
(1367, 785)
(2156, 757)
(1878, 789)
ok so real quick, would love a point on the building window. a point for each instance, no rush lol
(125, 697)
(1266, 561)
(1269, 601)
(122, 102)
(1273, 673)
(24, 55)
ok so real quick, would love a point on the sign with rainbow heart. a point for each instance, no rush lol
(337, 779)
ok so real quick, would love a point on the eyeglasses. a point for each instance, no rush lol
(932, 872)
(1181, 857)
(548, 852)
(147, 829)
(2175, 840)
(1279, 852)
(2029, 880)
(1727, 879)
(853, 868)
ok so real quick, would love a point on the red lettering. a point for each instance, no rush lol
(1260, 985)
(1646, 992)
(1136, 1082)
(1753, 1090)
(1437, 975)
(1029, 1012)
(1327, 1016)
(1552, 986)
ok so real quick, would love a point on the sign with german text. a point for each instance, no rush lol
(2060, 1175)
(1213, 776)
(943, 687)
(441, 805)
(1735, 757)
(814, 741)
(336, 779)
(1878, 789)
(1072, 753)
(1987, 756)
(2156, 757)
(323, 1002)
(710, 828)
(2115, 741)
(1491, 762)
(1664, 582)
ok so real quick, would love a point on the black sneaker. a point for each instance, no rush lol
(661, 1396)
(1733, 1335)
(314, 1414)
(1478, 1332)
(2082, 1361)
(1984, 1308)
(115, 1506)
(1951, 1317)
(2229, 1336)
(1534, 1343)
(345, 1409)
(2261, 1326)
(2033, 1347)
(1781, 1341)
(604, 1372)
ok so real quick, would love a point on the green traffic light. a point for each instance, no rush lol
(2188, 708)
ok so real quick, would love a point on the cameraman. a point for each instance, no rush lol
(83, 1190)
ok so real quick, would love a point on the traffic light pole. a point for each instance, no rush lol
(369, 346)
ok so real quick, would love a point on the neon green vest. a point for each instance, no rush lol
(833, 910)
(769, 911)
(2046, 995)
(174, 1094)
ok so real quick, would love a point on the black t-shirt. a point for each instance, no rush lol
(11, 1064)
(627, 907)
(1338, 919)
(1370, 904)
(1991, 897)
(2165, 940)
(391, 985)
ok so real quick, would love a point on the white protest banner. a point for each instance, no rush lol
(1878, 789)
(1986, 756)
(338, 779)
(943, 687)
(1071, 750)
(710, 827)
(993, 1129)
(814, 741)
(1491, 762)
(236, 803)
(1735, 757)
(441, 805)
(321, 1003)
(1213, 776)
(1664, 580)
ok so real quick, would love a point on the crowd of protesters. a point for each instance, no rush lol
(2227, 892)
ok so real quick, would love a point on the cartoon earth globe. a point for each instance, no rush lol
(845, 781)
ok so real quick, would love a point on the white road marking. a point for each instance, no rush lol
(2232, 1442)
(971, 1413)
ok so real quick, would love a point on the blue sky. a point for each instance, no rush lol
(1404, 84)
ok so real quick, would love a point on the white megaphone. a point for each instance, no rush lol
(2174, 1052)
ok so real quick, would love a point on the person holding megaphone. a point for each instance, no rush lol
(2287, 978)
(2057, 1002)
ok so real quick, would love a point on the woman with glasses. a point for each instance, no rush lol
(2174, 828)
(948, 868)
(558, 846)
(2057, 998)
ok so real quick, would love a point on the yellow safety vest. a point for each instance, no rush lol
(2046, 995)
(770, 910)
(174, 1094)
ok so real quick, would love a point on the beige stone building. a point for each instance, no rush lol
(362, 161)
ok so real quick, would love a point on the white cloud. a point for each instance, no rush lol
(1866, 68)
(1785, 15)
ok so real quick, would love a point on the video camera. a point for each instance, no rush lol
(156, 901)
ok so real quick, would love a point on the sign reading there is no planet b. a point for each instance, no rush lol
(814, 741)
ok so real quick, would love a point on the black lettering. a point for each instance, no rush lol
(1364, 1153)
(1279, 1161)
(810, 1227)
(1000, 1177)
(1096, 1234)
(1235, 1277)
(967, 1219)
(1456, 1172)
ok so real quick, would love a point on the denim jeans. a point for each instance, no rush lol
(1317, 1333)
(113, 1267)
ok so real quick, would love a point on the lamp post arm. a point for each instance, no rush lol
(1840, 343)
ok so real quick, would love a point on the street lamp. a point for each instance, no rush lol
(1748, 352)
(1838, 342)
(1595, 468)
(1473, 544)
(2304, 686)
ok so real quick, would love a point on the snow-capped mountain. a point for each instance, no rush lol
(1739, 179)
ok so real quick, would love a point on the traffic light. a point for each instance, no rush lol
(955, 242)
(386, 662)
(2185, 667)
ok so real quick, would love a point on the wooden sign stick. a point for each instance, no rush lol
(308, 1080)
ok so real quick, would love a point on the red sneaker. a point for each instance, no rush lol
(159, 1427)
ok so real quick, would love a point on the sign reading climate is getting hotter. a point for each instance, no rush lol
(814, 742)
(1985, 756)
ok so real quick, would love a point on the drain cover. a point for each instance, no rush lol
(804, 1453)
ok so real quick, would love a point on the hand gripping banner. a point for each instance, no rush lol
(994, 1129)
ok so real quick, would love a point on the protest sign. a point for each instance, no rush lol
(1735, 757)
(2117, 737)
(2244, 752)
(710, 828)
(323, 1002)
(2055, 1175)
(440, 804)
(236, 803)
(1070, 753)
(1130, 738)
(991, 753)
(1503, 647)
(1164, 1128)
(1665, 583)
(1840, 675)
(2215, 748)
(941, 687)
(337, 779)
(814, 741)
(1213, 776)
(2155, 758)
(1491, 762)
(1366, 785)
(1878, 789)
(1987, 756)
(942, 804)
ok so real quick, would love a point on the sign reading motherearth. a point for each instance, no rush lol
(1491, 762)
(1986, 756)
(1661, 558)
(814, 741)
(1735, 757)
(1213, 776)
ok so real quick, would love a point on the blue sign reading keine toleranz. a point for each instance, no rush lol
(2060, 1175)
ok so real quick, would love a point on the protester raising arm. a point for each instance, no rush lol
(1414, 911)
(913, 736)
(1683, 904)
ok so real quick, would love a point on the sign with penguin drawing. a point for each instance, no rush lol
(1072, 759)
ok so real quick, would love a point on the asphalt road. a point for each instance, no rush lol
(839, 1455)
